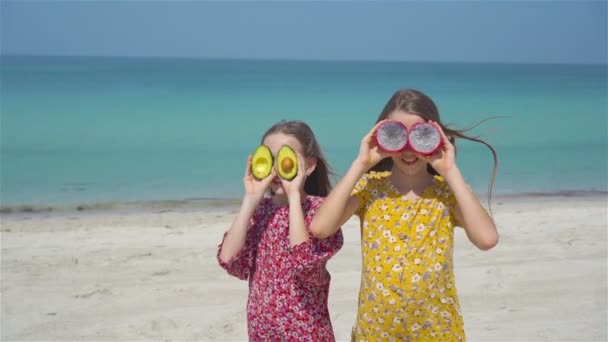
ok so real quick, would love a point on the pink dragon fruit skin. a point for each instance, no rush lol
(424, 138)
(391, 136)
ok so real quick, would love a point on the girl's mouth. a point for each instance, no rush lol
(409, 161)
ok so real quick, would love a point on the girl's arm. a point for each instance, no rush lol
(239, 261)
(340, 205)
(235, 238)
(309, 254)
(470, 215)
(311, 257)
(295, 193)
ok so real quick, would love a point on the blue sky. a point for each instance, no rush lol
(460, 31)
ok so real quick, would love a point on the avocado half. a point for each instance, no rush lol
(287, 163)
(261, 162)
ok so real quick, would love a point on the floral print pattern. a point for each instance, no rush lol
(407, 282)
(288, 287)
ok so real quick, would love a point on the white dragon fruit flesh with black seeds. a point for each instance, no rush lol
(424, 138)
(391, 136)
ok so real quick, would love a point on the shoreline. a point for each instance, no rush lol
(222, 204)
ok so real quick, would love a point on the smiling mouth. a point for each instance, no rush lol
(409, 161)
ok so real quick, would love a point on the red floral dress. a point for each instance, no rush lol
(288, 287)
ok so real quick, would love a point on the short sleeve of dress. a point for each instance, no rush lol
(241, 265)
(311, 256)
(362, 192)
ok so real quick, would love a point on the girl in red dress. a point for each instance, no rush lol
(270, 245)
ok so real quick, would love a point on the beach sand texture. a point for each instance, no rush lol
(154, 275)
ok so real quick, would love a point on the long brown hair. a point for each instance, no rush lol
(416, 102)
(317, 183)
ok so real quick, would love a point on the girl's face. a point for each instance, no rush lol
(274, 142)
(408, 162)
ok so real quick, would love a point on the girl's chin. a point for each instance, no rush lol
(412, 168)
(277, 190)
(409, 161)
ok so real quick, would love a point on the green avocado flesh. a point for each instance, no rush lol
(287, 163)
(261, 162)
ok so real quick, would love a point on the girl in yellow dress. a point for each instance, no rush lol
(408, 204)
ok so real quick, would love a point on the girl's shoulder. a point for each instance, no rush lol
(373, 180)
(442, 192)
(313, 202)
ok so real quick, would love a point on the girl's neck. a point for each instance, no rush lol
(282, 200)
(405, 183)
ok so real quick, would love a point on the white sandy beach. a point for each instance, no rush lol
(154, 276)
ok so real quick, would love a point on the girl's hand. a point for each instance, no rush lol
(444, 159)
(256, 188)
(369, 153)
(295, 187)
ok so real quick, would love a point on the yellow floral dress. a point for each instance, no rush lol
(407, 288)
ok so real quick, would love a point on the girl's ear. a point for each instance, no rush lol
(311, 164)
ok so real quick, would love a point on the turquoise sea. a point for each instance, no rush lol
(91, 131)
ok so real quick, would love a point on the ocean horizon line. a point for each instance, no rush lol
(252, 59)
